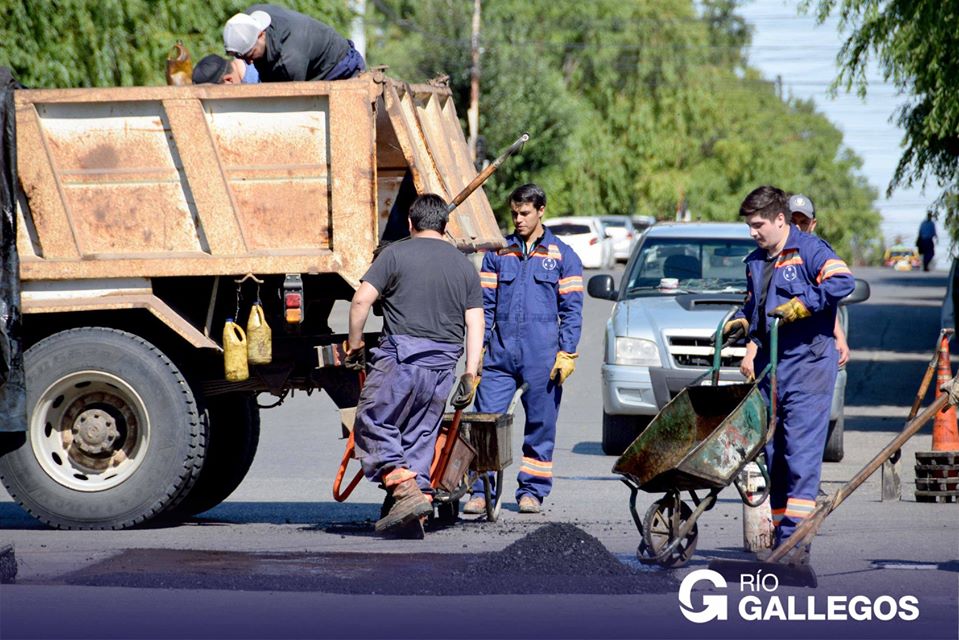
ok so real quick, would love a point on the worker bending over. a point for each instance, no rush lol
(431, 296)
(799, 278)
(285, 46)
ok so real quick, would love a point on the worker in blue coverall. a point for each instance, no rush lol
(799, 278)
(533, 303)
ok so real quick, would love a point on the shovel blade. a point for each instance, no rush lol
(788, 575)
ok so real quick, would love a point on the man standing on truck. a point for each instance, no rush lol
(799, 278)
(533, 298)
(431, 295)
(286, 46)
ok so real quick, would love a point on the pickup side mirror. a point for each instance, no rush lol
(860, 294)
(602, 287)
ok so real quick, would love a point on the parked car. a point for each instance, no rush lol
(587, 236)
(623, 233)
(660, 340)
(902, 258)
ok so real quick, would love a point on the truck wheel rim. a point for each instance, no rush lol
(90, 431)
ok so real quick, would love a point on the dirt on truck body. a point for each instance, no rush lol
(138, 210)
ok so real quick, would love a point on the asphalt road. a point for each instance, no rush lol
(282, 527)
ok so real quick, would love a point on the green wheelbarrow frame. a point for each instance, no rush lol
(701, 440)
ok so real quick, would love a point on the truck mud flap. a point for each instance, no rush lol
(12, 387)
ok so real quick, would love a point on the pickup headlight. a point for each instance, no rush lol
(636, 352)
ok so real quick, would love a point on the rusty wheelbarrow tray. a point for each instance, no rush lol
(701, 440)
(488, 438)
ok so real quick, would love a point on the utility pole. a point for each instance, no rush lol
(472, 114)
(357, 27)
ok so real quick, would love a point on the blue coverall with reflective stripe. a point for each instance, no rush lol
(807, 269)
(534, 309)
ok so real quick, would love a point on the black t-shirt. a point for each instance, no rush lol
(426, 286)
(299, 47)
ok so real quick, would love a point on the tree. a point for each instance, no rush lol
(915, 44)
(631, 106)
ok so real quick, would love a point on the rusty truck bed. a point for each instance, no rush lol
(147, 182)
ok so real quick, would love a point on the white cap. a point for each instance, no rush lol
(242, 30)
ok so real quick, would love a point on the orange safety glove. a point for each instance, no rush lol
(736, 329)
(791, 310)
(563, 367)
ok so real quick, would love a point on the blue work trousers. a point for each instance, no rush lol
(518, 354)
(401, 406)
(794, 454)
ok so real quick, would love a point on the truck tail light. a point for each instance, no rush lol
(293, 298)
(593, 240)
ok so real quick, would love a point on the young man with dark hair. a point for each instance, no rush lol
(286, 46)
(431, 296)
(214, 69)
(533, 299)
(799, 278)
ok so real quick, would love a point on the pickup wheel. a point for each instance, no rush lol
(834, 441)
(113, 432)
(620, 431)
(234, 425)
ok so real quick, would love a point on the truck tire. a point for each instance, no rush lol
(834, 441)
(234, 426)
(620, 431)
(113, 432)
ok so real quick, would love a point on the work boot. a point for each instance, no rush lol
(410, 505)
(529, 504)
(476, 505)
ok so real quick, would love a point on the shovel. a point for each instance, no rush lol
(803, 575)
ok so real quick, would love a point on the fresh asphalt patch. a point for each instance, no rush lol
(555, 558)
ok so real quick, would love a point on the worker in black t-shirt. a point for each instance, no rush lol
(431, 297)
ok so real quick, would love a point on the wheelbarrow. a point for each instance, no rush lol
(489, 438)
(700, 441)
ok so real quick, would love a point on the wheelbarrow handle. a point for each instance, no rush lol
(516, 396)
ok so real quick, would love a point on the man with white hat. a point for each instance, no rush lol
(286, 46)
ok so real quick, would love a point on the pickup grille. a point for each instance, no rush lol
(697, 351)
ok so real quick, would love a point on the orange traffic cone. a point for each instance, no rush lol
(945, 435)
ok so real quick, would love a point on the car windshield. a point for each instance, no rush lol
(613, 222)
(699, 264)
(567, 229)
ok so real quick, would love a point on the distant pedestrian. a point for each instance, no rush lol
(926, 241)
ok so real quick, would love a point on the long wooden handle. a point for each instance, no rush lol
(808, 527)
(486, 173)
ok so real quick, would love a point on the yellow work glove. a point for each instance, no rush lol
(563, 367)
(791, 310)
(736, 329)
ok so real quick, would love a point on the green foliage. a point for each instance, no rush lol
(631, 106)
(105, 43)
(915, 45)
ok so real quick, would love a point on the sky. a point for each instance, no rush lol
(790, 44)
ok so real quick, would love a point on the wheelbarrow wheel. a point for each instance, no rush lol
(660, 525)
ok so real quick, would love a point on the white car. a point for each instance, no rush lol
(587, 237)
(624, 234)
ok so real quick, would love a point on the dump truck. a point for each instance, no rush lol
(147, 218)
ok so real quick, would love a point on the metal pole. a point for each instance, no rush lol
(472, 114)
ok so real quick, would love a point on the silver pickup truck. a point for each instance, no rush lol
(659, 339)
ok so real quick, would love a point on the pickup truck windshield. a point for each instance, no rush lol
(700, 265)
